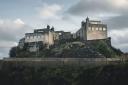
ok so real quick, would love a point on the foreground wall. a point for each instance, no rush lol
(64, 61)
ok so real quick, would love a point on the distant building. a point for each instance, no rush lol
(91, 30)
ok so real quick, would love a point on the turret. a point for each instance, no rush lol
(87, 19)
(82, 23)
(48, 27)
(52, 29)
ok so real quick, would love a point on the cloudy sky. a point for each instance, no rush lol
(20, 16)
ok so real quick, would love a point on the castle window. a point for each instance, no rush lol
(27, 37)
(93, 28)
(39, 36)
(104, 29)
(97, 28)
(30, 36)
(89, 28)
(33, 36)
(100, 29)
(60, 33)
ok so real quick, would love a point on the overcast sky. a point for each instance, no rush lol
(20, 16)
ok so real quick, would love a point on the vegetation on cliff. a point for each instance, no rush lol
(17, 74)
(70, 49)
(106, 49)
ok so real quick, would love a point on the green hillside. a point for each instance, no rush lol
(72, 49)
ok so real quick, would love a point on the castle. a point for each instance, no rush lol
(41, 37)
(90, 30)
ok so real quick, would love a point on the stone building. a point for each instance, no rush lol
(91, 30)
(38, 38)
(42, 37)
(64, 35)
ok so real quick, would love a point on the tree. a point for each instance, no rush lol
(12, 52)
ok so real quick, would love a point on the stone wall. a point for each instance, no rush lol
(92, 30)
(65, 61)
(92, 35)
(107, 40)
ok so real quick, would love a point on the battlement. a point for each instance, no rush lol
(95, 22)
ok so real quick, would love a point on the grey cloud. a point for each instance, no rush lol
(119, 39)
(12, 33)
(4, 52)
(96, 7)
(125, 49)
(86, 7)
(118, 22)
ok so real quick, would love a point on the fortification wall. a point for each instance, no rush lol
(91, 62)
(107, 40)
(92, 35)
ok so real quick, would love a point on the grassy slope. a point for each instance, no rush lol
(69, 50)
(106, 50)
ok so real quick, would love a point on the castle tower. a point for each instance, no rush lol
(87, 19)
(92, 30)
(48, 27)
(95, 30)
